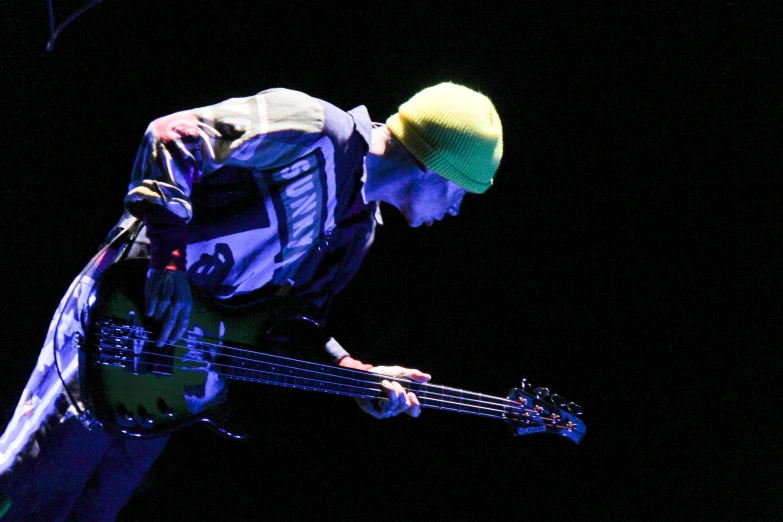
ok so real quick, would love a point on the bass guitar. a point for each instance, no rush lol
(134, 388)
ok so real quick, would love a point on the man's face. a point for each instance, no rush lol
(430, 198)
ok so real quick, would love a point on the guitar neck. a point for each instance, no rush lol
(275, 370)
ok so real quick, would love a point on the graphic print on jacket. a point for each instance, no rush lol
(255, 225)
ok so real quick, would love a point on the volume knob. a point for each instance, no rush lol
(145, 419)
(164, 408)
(124, 414)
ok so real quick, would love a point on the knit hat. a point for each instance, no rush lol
(453, 131)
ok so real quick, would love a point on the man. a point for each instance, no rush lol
(273, 195)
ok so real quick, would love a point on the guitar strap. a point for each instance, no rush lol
(125, 232)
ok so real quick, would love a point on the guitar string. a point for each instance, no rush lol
(427, 402)
(358, 373)
(303, 382)
(436, 399)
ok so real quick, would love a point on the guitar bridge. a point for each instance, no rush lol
(127, 345)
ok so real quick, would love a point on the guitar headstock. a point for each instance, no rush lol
(536, 410)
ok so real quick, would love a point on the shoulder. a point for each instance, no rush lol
(296, 108)
(339, 125)
(304, 111)
(295, 100)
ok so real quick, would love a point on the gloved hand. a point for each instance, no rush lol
(398, 400)
(167, 298)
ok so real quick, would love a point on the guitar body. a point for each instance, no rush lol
(137, 389)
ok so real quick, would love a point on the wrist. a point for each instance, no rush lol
(168, 239)
(354, 364)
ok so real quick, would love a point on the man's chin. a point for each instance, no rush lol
(418, 224)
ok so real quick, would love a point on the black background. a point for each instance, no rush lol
(627, 256)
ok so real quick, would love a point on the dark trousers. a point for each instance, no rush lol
(76, 473)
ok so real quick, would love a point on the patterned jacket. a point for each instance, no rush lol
(265, 192)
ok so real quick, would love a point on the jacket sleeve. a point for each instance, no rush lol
(270, 129)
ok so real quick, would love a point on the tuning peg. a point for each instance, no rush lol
(574, 408)
(524, 385)
(557, 400)
(541, 393)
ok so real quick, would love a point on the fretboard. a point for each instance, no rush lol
(275, 370)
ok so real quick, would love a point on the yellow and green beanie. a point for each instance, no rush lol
(454, 131)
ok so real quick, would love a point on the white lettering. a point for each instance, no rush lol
(303, 224)
(525, 431)
(295, 169)
(302, 242)
(300, 186)
(303, 205)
